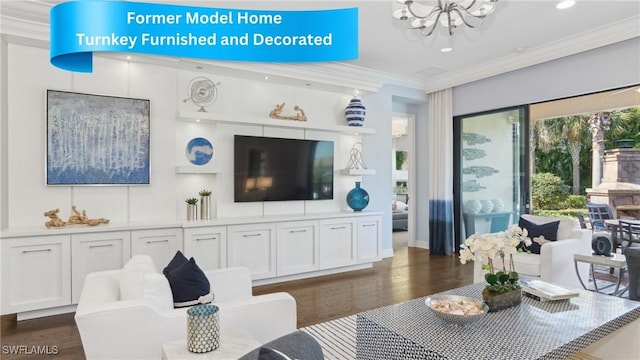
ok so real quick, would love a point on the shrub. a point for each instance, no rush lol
(574, 202)
(548, 191)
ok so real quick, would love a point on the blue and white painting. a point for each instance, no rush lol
(199, 151)
(96, 140)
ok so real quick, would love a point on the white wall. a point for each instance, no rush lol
(609, 67)
(23, 182)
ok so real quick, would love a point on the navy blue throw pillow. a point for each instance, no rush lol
(548, 230)
(189, 285)
(178, 259)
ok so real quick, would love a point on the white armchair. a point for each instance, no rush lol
(555, 261)
(111, 328)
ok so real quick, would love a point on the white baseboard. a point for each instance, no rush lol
(46, 312)
(420, 244)
(386, 253)
(280, 279)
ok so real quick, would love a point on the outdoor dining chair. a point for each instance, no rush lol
(628, 234)
(598, 213)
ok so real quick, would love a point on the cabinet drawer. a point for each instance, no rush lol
(97, 252)
(369, 237)
(298, 247)
(253, 247)
(337, 243)
(160, 244)
(208, 246)
(36, 273)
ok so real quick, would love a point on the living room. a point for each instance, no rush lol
(243, 94)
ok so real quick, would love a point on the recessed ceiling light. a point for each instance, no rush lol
(197, 120)
(266, 77)
(129, 57)
(565, 4)
(446, 49)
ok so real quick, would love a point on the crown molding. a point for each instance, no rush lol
(332, 76)
(598, 37)
(345, 77)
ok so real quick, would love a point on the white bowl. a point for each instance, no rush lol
(455, 299)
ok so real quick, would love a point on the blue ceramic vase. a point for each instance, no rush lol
(354, 112)
(358, 198)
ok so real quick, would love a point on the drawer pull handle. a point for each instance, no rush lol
(35, 251)
(208, 238)
(251, 235)
(338, 227)
(368, 225)
(297, 231)
(157, 241)
(100, 246)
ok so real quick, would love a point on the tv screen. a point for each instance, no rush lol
(275, 169)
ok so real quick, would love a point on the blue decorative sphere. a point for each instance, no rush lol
(358, 198)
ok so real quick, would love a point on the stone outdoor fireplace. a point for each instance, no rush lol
(620, 186)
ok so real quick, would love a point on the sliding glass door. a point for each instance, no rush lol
(491, 177)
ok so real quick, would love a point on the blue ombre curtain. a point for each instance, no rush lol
(440, 139)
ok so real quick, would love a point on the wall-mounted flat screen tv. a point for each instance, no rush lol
(276, 169)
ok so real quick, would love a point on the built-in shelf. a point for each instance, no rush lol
(357, 172)
(207, 117)
(191, 169)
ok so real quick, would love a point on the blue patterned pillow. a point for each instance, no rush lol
(548, 230)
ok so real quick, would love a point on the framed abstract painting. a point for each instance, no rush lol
(96, 139)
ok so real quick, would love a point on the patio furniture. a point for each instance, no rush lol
(633, 269)
(598, 213)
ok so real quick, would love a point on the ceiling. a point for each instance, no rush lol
(518, 34)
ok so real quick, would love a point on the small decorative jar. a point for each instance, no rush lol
(203, 328)
(358, 198)
(354, 112)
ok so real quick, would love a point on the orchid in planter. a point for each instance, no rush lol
(494, 248)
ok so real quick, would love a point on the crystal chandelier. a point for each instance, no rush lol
(449, 13)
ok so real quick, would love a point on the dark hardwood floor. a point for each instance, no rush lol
(410, 274)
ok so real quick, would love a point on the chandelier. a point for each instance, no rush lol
(448, 13)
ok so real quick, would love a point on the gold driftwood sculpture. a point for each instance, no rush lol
(78, 218)
(276, 113)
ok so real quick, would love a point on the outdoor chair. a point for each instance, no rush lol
(628, 235)
(633, 269)
(598, 213)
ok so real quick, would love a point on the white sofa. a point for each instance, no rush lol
(112, 328)
(555, 261)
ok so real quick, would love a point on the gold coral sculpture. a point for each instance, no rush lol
(77, 218)
(276, 113)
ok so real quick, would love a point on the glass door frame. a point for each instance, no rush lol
(523, 180)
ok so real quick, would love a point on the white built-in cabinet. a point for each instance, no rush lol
(97, 252)
(254, 247)
(36, 273)
(160, 244)
(369, 239)
(43, 271)
(298, 247)
(337, 242)
(207, 245)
